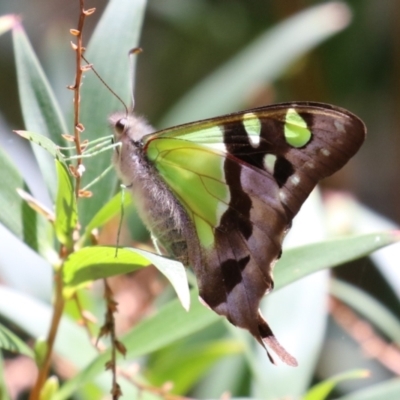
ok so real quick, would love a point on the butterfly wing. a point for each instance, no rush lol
(241, 179)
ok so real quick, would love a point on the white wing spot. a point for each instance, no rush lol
(269, 163)
(295, 179)
(325, 152)
(282, 196)
(310, 164)
(252, 125)
(339, 126)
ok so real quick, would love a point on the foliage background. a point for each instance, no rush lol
(184, 41)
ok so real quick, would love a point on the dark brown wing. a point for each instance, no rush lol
(271, 158)
(268, 184)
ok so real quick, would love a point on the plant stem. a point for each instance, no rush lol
(59, 302)
(55, 321)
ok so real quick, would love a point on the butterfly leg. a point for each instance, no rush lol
(155, 244)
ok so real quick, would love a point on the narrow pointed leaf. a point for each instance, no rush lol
(322, 389)
(11, 342)
(39, 107)
(368, 307)
(44, 142)
(114, 206)
(66, 209)
(299, 262)
(263, 60)
(388, 390)
(187, 365)
(34, 316)
(17, 216)
(170, 324)
(117, 32)
(10, 203)
(4, 395)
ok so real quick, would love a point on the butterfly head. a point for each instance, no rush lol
(129, 131)
(129, 128)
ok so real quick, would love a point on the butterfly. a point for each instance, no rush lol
(220, 194)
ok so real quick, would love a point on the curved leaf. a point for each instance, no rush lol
(44, 142)
(171, 323)
(388, 390)
(17, 216)
(107, 212)
(3, 386)
(11, 342)
(263, 60)
(302, 261)
(66, 209)
(117, 32)
(39, 107)
(367, 306)
(174, 271)
(186, 365)
(322, 389)
(98, 262)
(33, 316)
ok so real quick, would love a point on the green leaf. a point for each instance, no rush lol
(10, 203)
(388, 390)
(368, 307)
(17, 216)
(291, 319)
(322, 389)
(66, 209)
(33, 316)
(98, 262)
(39, 107)
(40, 350)
(170, 324)
(11, 342)
(302, 261)
(49, 388)
(117, 32)
(263, 60)
(228, 373)
(184, 365)
(45, 143)
(3, 386)
(174, 271)
(120, 201)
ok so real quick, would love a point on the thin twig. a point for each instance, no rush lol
(76, 87)
(387, 354)
(163, 392)
(116, 346)
(58, 276)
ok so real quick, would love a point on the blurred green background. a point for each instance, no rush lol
(185, 41)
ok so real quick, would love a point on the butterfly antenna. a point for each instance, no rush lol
(133, 52)
(105, 84)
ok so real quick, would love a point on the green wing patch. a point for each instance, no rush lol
(196, 176)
